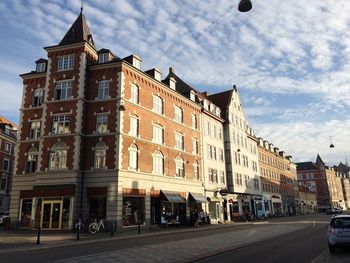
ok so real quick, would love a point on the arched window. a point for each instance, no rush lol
(158, 163)
(100, 155)
(134, 125)
(134, 94)
(103, 89)
(157, 104)
(195, 170)
(58, 156)
(133, 152)
(32, 160)
(178, 114)
(180, 167)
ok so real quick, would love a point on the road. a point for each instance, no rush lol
(293, 239)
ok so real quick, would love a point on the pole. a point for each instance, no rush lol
(138, 227)
(78, 231)
(112, 230)
(38, 237)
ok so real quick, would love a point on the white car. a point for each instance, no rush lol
(338, 232)
(3, 216)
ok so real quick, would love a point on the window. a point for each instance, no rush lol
(158, 161)
(58, 156)
(133, 157)
(101, 123)
(238, 178)
(246, 181)
(194, 146)
(100, 155)
(211, 152)
(3, 183)
(207, 128)
(38, 97)
(220, 133)
(157, 104)
(103, 58)
(158, 134)
(221, 155)
(196, 171)
(6, 165)
(34, 130)
(180, 167)
(134, 126)
(103, 90)
(213, 175)
(222, 177)
(8, 147)
(65, 63)
(194, 121)
(179, 141)
(178, 114)
(60, 124)
(40, 67)
(134, 94)
(32, 160)
(63, 90)
(133, 210)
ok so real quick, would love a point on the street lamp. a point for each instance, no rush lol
(244, 6)
(332, 145)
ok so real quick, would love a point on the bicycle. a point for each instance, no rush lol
(95, 226)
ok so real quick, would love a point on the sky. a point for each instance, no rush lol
(290, 60)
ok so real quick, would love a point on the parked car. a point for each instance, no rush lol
(333, 210)
(3, 216)
(338, 232)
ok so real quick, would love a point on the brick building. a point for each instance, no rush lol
(343, 171)
(100, 138)
(323, 180)
(278, 174)
(8, 131)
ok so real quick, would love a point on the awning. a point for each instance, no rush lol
(213, 199)
(172, 197)
(199, 198)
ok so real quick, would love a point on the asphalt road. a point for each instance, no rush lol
(306, 245)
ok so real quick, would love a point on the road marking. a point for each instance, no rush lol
(323, 257)
(313, 225)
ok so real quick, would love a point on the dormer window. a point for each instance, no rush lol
(103, 58)
(158, 75)
(137, 63)
(41, 67)
(192, 96)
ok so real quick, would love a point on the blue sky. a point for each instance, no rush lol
(289, 59)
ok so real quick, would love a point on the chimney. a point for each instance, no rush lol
(282, 153)
(172, 70)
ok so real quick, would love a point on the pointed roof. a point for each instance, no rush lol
(78, 32)
(319, 160)
(222, 100)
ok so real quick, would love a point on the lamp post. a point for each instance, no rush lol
(244, 6)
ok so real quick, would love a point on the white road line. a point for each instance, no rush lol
(313, 225)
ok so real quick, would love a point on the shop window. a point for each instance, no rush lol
(97, 207)
(133, 210)
(65, 213)
(26, 212)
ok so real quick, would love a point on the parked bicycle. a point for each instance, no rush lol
(95, 226)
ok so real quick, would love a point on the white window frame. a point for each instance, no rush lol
(103, 58)
(35, 129)
(65, 63)
(8, 147)
(58, 158)
(178, 114)
(134, 126)
(134, 96)
(8, 164)
(158, 134)
(65, 88)
(40, 67)
(194, 121)
(196, 171)
(179, 141)
(133, 157)
(60, 124)
(158, 105)
(38, 96)
(32, 160)
(100, 156)
(180, 167)
(103, 89)
(195, 148)
(158, 163)
(102, 123)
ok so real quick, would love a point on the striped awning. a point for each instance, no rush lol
(199, 198)
(172, 197)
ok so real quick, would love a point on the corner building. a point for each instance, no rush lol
(100, 138)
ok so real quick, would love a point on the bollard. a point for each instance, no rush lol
(78, 232)
(138, 227)
(38, 237)
(112, 230)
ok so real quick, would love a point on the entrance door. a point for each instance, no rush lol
(51, 215)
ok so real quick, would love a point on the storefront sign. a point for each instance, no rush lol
(223, 192)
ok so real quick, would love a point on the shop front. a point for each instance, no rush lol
(49, 209)
(195, 201)
(97, 200)
(172, 208)
(214, 211)
(133, 213)
(277, 205)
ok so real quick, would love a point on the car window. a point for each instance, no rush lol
(341, 222)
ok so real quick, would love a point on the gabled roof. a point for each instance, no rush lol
(41, 60)
(6, 121)
(306, 166)
(79, 32)
(222, 100)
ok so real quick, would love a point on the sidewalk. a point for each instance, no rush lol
(23, 240)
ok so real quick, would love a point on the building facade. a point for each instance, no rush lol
(8, 132)
(241, 155)
(343, 172)
(323, 180)
(100, 138)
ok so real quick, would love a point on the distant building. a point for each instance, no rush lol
(343, 171)
(8, 133)
(308, 200)
(322, 180)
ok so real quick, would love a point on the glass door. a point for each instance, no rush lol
(51, 215)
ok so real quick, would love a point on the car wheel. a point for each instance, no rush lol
(331, 248)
